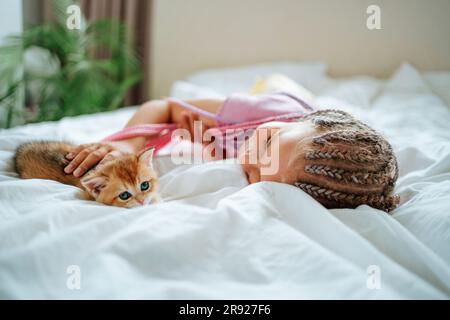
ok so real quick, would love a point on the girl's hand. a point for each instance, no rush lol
(86, 156)
(194, 124)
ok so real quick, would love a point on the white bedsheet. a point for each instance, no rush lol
(216, 237)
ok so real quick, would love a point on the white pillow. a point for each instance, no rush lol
(230, 80)
(440, 84)
(187, 90)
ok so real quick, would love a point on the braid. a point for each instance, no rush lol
(331, 118)
(349, 137)
(356, 177)
(339, 154)
(349, 155)
(392, 172)
(339, 199)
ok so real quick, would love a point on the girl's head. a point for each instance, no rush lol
(335, 158)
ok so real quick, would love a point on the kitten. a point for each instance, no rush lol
(127, 181)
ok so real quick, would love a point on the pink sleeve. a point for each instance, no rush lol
(142, 130)
(240, 108)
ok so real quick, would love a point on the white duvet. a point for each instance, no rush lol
(215, 237)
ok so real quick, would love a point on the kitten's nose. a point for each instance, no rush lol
(141, 202)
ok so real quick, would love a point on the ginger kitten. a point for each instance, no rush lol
(127, 181)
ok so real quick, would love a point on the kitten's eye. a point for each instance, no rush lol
(125, 195)
(145, 185)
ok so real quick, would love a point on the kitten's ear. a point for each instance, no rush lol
(146, 157)
(94, 184)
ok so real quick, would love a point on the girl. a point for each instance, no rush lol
(335, 158)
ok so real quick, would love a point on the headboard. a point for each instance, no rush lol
(192, 35)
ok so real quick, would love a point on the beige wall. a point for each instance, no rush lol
(190, 35)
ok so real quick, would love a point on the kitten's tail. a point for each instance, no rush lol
(44, 160)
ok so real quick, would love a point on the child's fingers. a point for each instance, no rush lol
(191, 125)
(75, 151)
(91, 160)
(79, 159)
(188, 120)
(185, 122)
(110, 156)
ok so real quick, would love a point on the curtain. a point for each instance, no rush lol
(136, 15)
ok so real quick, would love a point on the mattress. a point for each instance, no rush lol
(215, 236)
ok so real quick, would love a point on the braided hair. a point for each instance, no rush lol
(348, 163)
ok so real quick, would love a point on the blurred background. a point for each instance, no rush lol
(128, 51)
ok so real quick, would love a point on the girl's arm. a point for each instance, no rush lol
(86, 156)
(162, 111)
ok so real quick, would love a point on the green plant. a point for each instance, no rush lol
(81, 82)
(11, 84)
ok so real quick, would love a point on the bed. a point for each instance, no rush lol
(215, 236)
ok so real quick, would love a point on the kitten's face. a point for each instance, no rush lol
(128, 181)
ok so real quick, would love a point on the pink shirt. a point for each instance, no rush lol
(238, 115)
